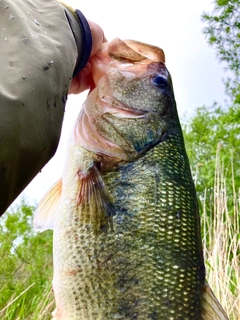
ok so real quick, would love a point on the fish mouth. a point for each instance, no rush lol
(110, 122)
(125, 54)
(134, 51)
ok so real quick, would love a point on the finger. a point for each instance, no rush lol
(82, 81)
(98, 37)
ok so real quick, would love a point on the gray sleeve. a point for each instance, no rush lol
(37, 59)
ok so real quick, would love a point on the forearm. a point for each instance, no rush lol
(38, 58)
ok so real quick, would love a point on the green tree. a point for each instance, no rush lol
(223, 33)
(218, 127)
(211, 129)
(26, 265)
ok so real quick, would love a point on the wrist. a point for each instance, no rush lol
(82, 35)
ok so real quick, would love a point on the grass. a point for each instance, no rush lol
(29, 304)
(221, 241)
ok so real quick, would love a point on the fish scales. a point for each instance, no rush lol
(126, 241)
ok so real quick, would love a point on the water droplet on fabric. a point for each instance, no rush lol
(48, 65)
(24, 77)
(36, 22)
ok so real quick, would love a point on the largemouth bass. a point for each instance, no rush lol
(125, 216)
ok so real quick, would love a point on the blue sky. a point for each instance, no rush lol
(173, 25)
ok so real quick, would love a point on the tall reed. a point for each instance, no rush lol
(221, 239)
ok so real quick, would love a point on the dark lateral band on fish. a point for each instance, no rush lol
(127, 242)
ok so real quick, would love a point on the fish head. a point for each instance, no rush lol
(132, 107)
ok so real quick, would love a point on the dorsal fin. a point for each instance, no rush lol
(45, 214)
(212, 309)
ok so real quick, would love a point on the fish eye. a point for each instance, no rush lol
(160, 81)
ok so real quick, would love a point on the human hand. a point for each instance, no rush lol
(84, 79)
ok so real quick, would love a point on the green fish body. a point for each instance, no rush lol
(127, 239)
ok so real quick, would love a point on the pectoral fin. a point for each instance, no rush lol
(94, 201)
(46, 210)
(212, 310)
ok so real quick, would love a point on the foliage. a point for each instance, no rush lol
(26, 267)
(223, 33)
(218, 127)
(208, 130)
